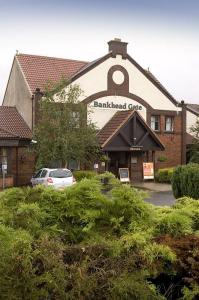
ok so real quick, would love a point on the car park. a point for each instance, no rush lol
(57, 178)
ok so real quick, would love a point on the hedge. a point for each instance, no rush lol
(185, 181)
(164, 175)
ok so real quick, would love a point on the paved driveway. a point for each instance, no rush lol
(161, 198)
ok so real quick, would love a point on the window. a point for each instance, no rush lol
(43, 173)
(169, 124)
(155, 123)
(60, 173)
(38, 174)
(75, 118)
(3, 160)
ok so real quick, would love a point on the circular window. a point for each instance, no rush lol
(118, 77)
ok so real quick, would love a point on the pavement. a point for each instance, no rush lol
(153, 186)
(159, 194)
(165, 198)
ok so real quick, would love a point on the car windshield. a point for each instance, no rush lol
(60, 174)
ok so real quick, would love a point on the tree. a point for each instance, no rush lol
(64, 132)
(194, 155)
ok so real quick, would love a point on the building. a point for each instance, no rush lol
(137, 118)
(15, 136)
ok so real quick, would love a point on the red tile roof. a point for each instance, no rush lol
(38, 70)
(12, 125)
(113, 125)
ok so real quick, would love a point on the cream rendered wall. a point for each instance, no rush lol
(18, 94)
(96, 81)
(100, 116)
(191, 120)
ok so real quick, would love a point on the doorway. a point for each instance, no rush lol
(118, 160)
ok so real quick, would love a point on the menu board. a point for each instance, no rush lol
(148, 170)
(124, 174)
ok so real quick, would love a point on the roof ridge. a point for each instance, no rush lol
(51, 57)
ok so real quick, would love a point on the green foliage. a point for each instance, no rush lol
(194, 155)
(79, 175)
(191, 293)
(76, 243)
(62, 131)
(132, 286)
(164, 175)
(189, 207)
(162, 158)
(175, 224)
(185, 181)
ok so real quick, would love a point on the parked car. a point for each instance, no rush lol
(58, 178)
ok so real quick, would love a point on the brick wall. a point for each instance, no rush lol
(172, 143)
(26, 166)
(8, 182)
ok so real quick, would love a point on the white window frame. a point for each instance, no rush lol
(155, 119)
(169, 124)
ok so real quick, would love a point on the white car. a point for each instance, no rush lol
(57, 178)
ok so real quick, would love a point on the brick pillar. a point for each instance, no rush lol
(35, 106)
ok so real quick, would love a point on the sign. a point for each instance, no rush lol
(124, 174)
(148, 170)
(96, 166)
(4, 168)
(120, 106)
(136, 148)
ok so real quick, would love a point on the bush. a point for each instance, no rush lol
(79, 175)
(175, 224)
(108, 181)
(162, 158)
(185, 181)
(164, 175)
(80, 243)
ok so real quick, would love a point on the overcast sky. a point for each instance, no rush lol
(162, 35)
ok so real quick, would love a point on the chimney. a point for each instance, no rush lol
(117, 47)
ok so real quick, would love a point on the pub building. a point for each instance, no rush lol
(138, 120)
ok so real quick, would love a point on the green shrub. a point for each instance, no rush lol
(162, 158)
(79, 175)
(76, 243)
(189, 207)
(175, 224)
(164, 175)
(108, 181)
(185, 181)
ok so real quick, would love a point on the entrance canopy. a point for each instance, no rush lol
(127, 131)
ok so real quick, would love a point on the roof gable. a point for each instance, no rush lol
(127, 129)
